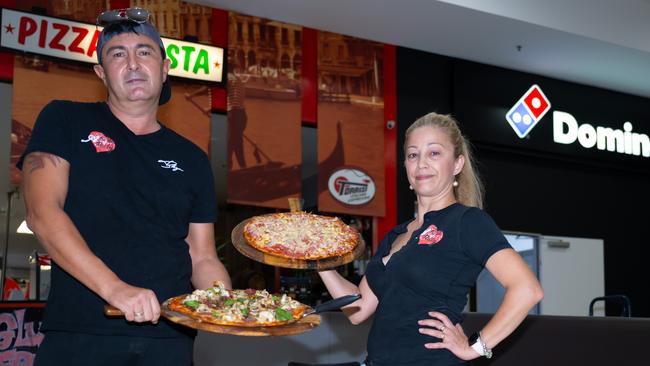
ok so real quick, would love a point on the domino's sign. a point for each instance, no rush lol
(533, 105)
(528, 111)
(567, 130)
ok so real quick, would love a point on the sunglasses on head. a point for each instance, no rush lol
(137, 15)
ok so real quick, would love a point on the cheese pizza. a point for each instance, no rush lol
(301, 235)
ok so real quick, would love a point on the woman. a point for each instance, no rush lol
(418, 281)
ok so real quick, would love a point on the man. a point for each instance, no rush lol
(237, 118)
(124, 206)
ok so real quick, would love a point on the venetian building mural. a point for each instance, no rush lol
(177, 19)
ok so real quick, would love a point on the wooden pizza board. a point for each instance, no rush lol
(303, 325)
(240, 242)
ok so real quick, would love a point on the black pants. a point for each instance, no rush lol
(78, 349)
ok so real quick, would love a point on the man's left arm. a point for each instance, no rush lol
(206, 266)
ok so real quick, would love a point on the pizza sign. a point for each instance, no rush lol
(351, 186)
(77, 41)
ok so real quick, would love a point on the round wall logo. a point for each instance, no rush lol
(351, 186)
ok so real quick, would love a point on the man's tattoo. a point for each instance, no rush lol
(36, 160)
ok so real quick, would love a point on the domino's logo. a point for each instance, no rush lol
(528, 111)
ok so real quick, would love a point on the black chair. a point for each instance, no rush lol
(621, 300)
(292, 363)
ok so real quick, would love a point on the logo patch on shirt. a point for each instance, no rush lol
(430, 236)
(101, 142)
(170, 164)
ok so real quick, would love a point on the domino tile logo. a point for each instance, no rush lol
(528, 111)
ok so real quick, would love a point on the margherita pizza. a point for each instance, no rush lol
(300, 235)
(247, 308)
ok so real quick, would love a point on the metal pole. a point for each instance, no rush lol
(37, 270)
(5, 251)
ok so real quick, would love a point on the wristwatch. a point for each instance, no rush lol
(476, 342)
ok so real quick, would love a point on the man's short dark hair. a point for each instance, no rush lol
(128, 26)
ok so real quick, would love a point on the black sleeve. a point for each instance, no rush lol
(50, 134)
(479, 236)
(204, 209)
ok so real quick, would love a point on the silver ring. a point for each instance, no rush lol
(138, 313)
(443, 329)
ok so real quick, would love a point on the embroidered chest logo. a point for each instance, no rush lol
(101, 142)
(170, 164)
(430, 236)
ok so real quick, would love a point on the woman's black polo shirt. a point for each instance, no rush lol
(435, 270)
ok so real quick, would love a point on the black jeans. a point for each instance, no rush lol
(79, 349)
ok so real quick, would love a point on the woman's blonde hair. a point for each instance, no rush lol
(469, 191)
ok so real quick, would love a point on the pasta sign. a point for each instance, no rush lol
(77, 41)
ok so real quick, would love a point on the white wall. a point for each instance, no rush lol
(571, 271)
(571, 276)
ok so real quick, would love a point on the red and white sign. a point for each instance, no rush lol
(351, 186)
(78, 41)
(537, 102)
(49, 36)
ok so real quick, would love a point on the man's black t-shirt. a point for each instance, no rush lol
(435, 270)
(132, 198)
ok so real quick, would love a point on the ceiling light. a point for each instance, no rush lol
(23, 229)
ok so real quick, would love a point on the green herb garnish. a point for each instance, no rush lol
(192, 303)
(281, 314)
(229, 302)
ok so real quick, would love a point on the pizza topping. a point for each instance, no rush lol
(282, 314)
(192, 303)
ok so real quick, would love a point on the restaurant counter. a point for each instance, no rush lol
(335, 340)
(569, 340)
(540, 340)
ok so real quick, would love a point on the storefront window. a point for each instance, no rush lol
(285, 36)
(297, 35)
(27, 274)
